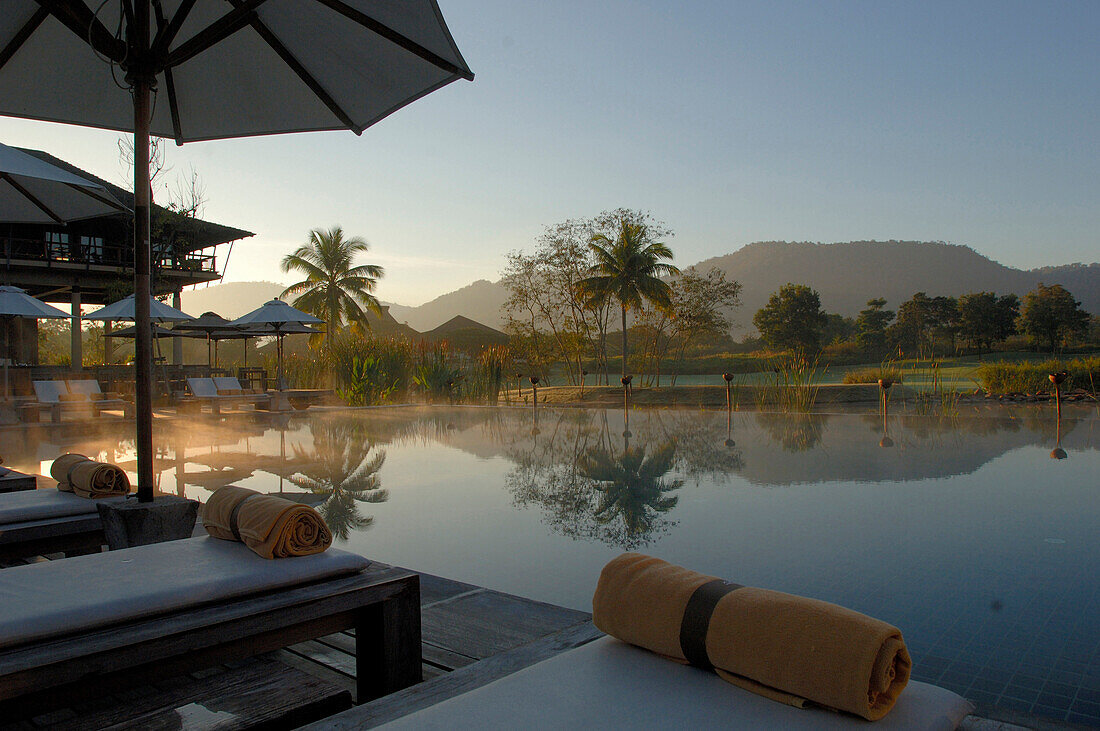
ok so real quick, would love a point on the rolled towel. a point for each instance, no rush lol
(784, 647)
(271, 526)
(85, 477)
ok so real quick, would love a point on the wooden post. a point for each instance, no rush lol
(387, 646)
(142, 78)
(76, 354)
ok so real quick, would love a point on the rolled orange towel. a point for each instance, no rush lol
(85, 477)
(271, 526)
(787, 648)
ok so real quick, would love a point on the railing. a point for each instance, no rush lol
(95, 254)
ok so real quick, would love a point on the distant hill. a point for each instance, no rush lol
(479, 301)
(231, 299)
(846, 275)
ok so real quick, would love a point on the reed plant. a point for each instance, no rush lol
(796, 382)
(936, 398)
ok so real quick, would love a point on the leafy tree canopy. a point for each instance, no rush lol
(792, 319)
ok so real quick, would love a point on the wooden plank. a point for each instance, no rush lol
(487, 622)
(438, 588)
(441, 657)
(259, 693)
(460, 681)
(341, 662)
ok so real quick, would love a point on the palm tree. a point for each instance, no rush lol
(334, 289)
(628, 269)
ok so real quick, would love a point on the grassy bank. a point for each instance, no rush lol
(1032, 377)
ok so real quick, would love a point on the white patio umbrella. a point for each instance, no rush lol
(126, 309)
(236, 69)
(15, 302)
(277, 318)
(34, 191)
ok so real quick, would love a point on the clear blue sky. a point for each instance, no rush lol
(976, 123)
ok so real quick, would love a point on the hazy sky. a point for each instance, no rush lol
(975, 123)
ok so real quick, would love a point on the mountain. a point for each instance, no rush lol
(846, 275)
(231, 299)
(480, 301)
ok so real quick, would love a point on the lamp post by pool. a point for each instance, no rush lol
(584, 375)
(535, 391)
(1058, 379)
(884, 385)
(728, 378)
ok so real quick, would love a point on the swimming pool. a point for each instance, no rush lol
(962, 531)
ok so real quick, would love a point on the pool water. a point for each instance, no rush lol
(975, 534)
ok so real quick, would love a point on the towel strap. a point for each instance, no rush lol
(696, 621)
(236, 529)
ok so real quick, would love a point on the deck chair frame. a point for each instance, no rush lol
(382, 605)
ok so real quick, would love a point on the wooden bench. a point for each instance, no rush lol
(381, 603)
(12, 481)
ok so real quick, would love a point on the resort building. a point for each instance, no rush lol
(91, 262)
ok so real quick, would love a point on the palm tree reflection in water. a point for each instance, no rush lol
(634, 487)
(344, 466)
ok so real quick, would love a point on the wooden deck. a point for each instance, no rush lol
(471, 636)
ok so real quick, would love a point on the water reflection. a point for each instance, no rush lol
(633, 488)
(342, 467)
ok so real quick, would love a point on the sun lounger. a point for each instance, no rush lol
(232, 386)
(169, 608)
(89, 389)
(58, 399)
(206, 391)
(41, 522)
(608, 684)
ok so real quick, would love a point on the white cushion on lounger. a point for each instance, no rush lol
(87, 592)
(26, 505)
(608, 684)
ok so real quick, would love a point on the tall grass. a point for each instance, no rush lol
(1007, 378)
(365, 370)
(796, 384)
(936, 398)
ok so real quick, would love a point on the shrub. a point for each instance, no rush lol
(872, 374)
(1003, 378)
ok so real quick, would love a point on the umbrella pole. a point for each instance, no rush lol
(142, 81)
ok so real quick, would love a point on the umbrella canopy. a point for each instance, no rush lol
(33, 191)
(295, 66)
(158, 332)
(273, 316)
(16, 302)
(207, 322)
(125, 309)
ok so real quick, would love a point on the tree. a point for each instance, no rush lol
(698, 307)
(985, 318)
(921, 318)
(334, 289)
(837, 328)
(872, 323)
(628, 270)
(792, 319)
(1051, 314)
